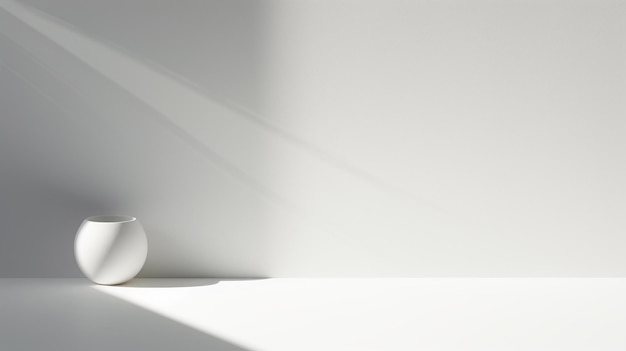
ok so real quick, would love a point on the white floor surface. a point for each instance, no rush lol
(315, 314)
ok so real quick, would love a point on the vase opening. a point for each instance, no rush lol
(111, 219)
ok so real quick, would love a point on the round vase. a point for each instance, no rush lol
(110, 250)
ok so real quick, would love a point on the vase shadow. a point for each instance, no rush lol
(175, 282)
(168, 282)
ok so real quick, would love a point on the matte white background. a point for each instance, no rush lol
(318, 138)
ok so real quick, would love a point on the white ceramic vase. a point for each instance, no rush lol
(110, 250)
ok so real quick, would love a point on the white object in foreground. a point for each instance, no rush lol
(110, 250)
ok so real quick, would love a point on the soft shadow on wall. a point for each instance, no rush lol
(202, 215)
(473, 149)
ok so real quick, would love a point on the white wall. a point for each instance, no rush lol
(318, 137)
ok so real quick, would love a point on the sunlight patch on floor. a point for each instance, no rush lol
(397, 314)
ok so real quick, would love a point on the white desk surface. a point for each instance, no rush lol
(315, 314)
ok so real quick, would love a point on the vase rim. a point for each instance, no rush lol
(111, 219)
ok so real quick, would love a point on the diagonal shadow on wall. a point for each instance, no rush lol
(131, 163)
(263, 196)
